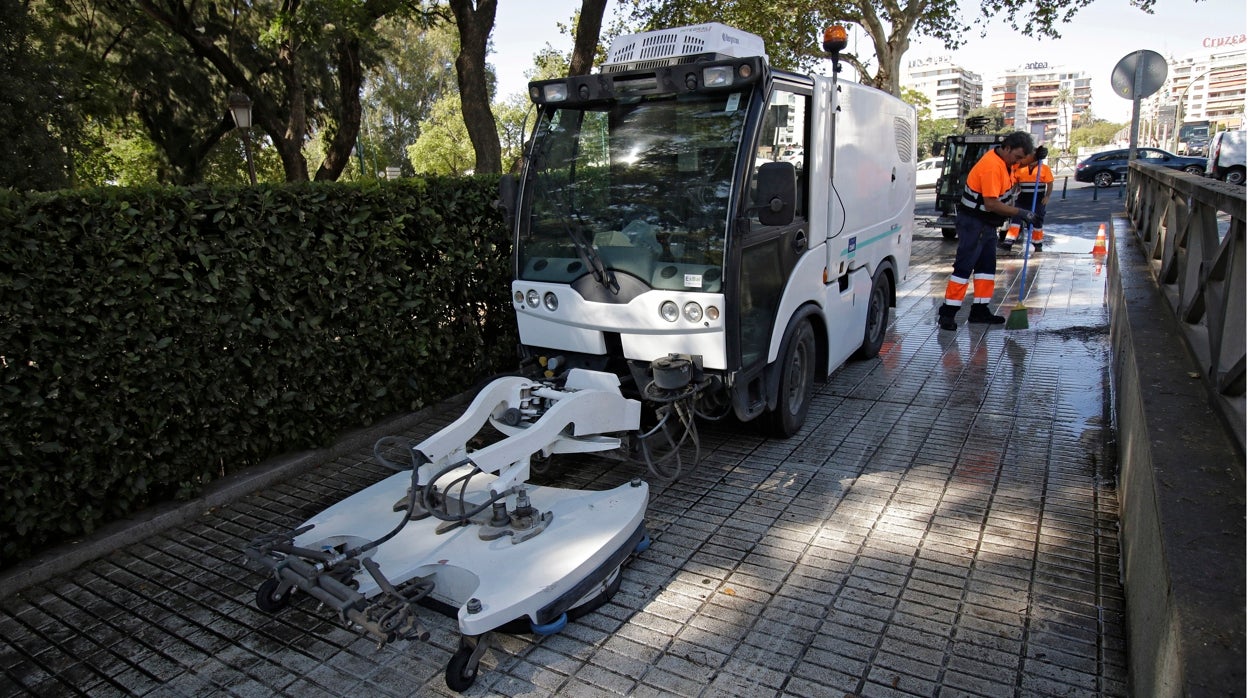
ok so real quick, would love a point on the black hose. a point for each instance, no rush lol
(445, 515)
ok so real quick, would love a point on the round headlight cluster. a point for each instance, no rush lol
(535, 299)
(692, 312)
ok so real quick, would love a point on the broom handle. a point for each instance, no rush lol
(1035, 196)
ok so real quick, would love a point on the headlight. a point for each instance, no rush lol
(519, 296)
(712, 313)
(555, 92)
(533, 298)
(717, 76)
(550, 301)
(669, 311)
(693, 312)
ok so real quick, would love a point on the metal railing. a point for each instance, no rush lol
(1192, 228)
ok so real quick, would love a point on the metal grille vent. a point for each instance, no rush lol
(904, 138)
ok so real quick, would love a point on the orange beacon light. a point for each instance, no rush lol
(835, 39)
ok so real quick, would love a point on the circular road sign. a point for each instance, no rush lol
(1138, 74)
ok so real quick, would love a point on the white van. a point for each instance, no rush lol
(927, 172)
(1226, 157)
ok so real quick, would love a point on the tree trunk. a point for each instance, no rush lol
(350, 81)
(588, 29)
(289, 137)
(475, 26)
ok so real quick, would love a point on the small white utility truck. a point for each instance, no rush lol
(659, 216)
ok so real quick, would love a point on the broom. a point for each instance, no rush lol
(1018, 316)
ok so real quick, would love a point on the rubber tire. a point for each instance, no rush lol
(949, 233)
(797, 379)
(1103, 179)
(877, 317)
(1194, 169)
(265, 601)
(457, 678)
(1235, 175)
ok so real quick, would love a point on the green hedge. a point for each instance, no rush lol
(153, 340)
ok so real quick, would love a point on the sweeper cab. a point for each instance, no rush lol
(696, 235)
(691, 201)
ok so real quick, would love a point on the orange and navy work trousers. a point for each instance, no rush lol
(975, 261)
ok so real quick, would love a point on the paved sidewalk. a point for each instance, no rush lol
(944, 525)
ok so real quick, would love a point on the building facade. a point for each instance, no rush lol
(1204, 92)
(1043, 100)
(951, 90)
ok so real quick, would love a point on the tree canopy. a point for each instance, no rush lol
(792, 28)
(134, 91)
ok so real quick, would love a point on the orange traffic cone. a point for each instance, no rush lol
(1099, 247)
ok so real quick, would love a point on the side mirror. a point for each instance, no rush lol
(777, 193)
(508, 187)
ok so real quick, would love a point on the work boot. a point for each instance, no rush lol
(946, 317)
(1038, 246)
(981, 314)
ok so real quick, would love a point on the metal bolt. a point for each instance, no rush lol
(474, 605)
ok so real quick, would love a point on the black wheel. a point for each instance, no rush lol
(1234, 175)
(1194, 169)
(797, 377)
(877, 317)
(459, 677)
(949, 233)
(267, 599)
(1103, 179)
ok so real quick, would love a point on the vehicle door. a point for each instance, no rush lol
(768, 253)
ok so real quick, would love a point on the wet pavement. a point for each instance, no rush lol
(944, 525)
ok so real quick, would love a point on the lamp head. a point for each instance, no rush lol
(240, 107)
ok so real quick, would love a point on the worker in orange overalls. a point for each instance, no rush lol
(987, 202)
(1028, 190)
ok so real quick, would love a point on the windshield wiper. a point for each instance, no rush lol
(588, 253)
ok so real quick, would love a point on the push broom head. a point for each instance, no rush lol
(1017, 319)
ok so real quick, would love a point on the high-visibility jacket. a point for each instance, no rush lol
(990, 178)
(1025, 177)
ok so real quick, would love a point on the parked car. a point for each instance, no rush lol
(793, 154)
(1106, 168)
(1226, 156)
(927, 172)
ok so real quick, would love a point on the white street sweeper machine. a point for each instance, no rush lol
(697, 235)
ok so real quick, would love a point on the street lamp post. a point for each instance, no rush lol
(240, 107)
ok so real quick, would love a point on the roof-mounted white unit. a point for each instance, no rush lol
(680, 45)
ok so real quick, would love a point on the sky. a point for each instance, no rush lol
(1100, 35)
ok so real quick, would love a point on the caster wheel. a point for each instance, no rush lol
(642, 545)
(459, 677)
(266, 598)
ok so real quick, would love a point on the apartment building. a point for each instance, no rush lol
(1208, 87)
(1044, 100)
(951, 90)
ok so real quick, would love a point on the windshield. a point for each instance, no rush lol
(639, 188)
